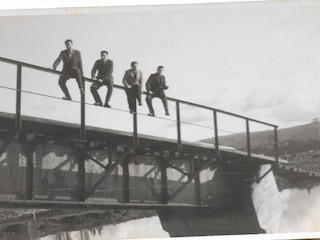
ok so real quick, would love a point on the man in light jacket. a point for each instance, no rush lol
(132, 80)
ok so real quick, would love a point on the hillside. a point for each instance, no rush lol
(291, 140)
(299, 145)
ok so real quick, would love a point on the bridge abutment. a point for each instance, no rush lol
(231, 207)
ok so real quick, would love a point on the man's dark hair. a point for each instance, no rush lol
(104, 51)
(132, 63)
(160, 67)
(67, 41)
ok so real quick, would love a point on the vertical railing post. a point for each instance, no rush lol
(178, 127)
(82, 155)
(135, 125)
(197, 189)
(216, 136)
(83, 114)
(276, 145)
(18, 99)
(248, 141)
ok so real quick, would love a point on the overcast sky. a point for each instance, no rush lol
(255, 59)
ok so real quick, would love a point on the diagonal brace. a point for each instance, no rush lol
(99, 163)
(191, 177)
(62, 164)
(179, 170)
(6, 143)
(126, 155)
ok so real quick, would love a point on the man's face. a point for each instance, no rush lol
(104, 57)
(134, 66)
(69, 45)
(159, 71)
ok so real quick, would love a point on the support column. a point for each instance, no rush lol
(197, 191)
(126, 181)
(28, 149)
(164, 180)
(81, 177)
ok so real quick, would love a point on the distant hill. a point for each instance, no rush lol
(291, 140)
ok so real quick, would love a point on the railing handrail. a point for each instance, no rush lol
(32, 66)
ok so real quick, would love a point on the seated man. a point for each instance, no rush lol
(72, 67)
(157, 84)
(104, 77)
(132, 80)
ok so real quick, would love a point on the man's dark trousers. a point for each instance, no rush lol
(161, 94)
(95, 87)
(133, 93)
(73, 73)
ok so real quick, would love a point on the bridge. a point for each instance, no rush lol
(51, 164)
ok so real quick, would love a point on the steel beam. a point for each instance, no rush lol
(216, 135)
(206, 164)
(40, 204)
(97, 162)
(81, 177)
(150, 171)
(178, 169)
(130, 152)
(179, 142)
(60, 165)
(28, 147)
(6, 143)
(164, 181)
(248, 141)
(197, 189)
(125, 180)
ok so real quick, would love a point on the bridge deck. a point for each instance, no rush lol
(47, 127)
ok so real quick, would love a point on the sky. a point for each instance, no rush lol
(257, 59)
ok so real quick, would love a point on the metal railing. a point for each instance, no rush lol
(178, 102)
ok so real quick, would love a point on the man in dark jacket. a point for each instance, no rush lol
(72, 67)
(156, 84)
(132, 81)
(104, 77)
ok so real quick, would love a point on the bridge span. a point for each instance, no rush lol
(54, 164)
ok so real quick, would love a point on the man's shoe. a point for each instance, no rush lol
(151, 114)
(107, 105)
(167, 113)
(98, 104)
(67, 98)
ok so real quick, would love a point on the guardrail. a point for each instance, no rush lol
(178, 102)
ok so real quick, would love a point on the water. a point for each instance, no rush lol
(141, 228)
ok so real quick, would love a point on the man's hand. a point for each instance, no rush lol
(99, 80)
(53, 68)
(165, 87)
